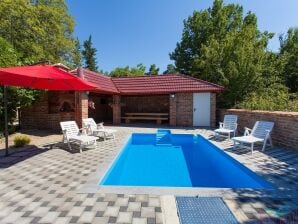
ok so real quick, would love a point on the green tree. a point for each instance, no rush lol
(8, 55)
(89, 55)
(271, 93)
(120, 72)
(223, 46)
(138, 71)
(289, 53)
(33, 31)
(77, 54)
(126, 71)
(38, 30)
(153, 70)
(171, 69)
(17, 97)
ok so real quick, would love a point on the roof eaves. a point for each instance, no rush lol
(83, 70)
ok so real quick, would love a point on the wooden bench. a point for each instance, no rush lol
(159, 117)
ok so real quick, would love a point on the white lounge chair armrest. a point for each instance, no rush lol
(236, 125)
(64, 135)
(221, 124)
(100, 125)
(247, 131)
(83, 131)
(268, 132)
(88, 129)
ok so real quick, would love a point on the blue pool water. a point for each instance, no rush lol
(178, 160)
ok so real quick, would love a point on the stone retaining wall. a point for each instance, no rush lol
(285, 131)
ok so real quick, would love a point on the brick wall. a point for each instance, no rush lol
(41, 116)
(180, 109)
(184, 109)
(285, 131)
(81, 110)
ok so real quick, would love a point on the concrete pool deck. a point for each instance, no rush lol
(41, 185)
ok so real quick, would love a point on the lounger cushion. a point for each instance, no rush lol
(247, 139)
(84, 138)
(223, 130)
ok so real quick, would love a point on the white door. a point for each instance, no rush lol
(201, 109)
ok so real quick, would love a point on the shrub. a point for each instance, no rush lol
(21, 140)
(274, 98)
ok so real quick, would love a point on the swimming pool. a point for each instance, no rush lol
(178, 160)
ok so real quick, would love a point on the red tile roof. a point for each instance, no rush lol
(104, 83)
(163, 84)
(142, 85)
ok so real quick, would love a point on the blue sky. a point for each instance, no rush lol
(128, 32)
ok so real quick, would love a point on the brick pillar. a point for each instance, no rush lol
(116, 109)
(81, 109)
(173, 111)
(213, 110)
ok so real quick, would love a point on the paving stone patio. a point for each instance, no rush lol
(41, 185)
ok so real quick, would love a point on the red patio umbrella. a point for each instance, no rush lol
(45, 77)
(42, 77)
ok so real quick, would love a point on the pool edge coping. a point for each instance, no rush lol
(91, 186)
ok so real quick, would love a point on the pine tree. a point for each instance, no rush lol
(89, 54)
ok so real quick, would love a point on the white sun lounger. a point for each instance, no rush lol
(71, 133)
(261, 132)
(98, 129)
(228, 126)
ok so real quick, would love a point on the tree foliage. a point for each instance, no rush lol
(222, 45)
(77, 54)
(89, 55)
(139, 70)
(33, 31)
(153, 70)
(17, 97)
(38, 30)
(8, 55)
(171, 69)
(289, 54)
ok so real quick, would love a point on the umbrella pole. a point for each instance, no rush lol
(5, 120)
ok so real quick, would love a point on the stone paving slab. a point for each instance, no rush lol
(42, 185)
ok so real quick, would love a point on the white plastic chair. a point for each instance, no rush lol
(98, 129)
(228, 126)
(72, 133)
(261, 132)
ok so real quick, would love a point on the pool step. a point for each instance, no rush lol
(163, 137)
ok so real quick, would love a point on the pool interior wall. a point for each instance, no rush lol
(178, 160)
